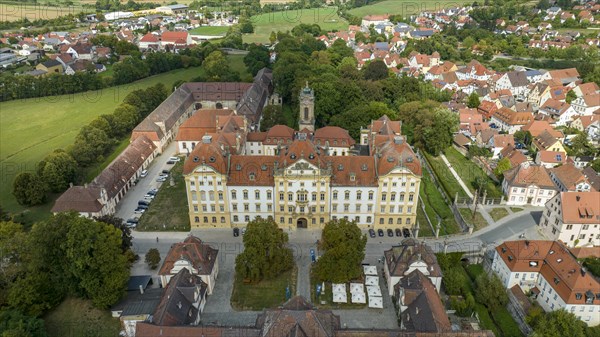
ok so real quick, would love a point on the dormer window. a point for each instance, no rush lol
(238, 167)
(578, 296)
(252, 176)
(510, 258)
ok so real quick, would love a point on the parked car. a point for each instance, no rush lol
(132, 223)
(390, 232)
(142, 206)
(236, 232)
(372, 232)
(153, 191)
(380, 232)
(170, 162)
(144, 174)
(161, 179)
(143, 203)
(398, 232)
(166, 172)
(139, 210)
(406, 232)
(149, 196)
(175, 159)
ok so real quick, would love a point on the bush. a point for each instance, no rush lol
(153, 258)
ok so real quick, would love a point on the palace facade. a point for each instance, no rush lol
(302, 179)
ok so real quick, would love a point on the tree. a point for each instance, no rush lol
(490, 291)
(453, 281)
(375, 70)
(258, 57)
(29, 189)
(272, 115)
(430, 126)
(559, 323)
(438, 136)
(265, 255)
(118, 223)
(14, 323)
(343, 244)
(57, 170)
(272, 37)
(216, 66)
(152, 258)
(361, 115)
(580, 145)
(503, 165)
(571, 96)
(596, 165)
(126, 117)
(95, 260)
(473, 100)
(89, 146)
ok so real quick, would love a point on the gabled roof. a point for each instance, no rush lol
(80, 199)
(334, 135)
(528, 174)
(399, 258)
(544, 140)
(580, 207)
(176, 306)
(568, 175)
(514, 156)
(537, 127)
(201, 256)
(426, 312)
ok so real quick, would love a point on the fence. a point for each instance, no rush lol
(464, 226)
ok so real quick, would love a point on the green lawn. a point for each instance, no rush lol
(265, 294)
(326, 17)
(403, 7)
(478, 221)
(516, 209)
(445, 177)
(77, 317)
(469, 172)
(436, 205)
(169, 209)
(236, 62)
(210, 30)
(424, 228)
(498, 213)
(32, 128)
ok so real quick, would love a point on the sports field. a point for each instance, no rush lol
(31, 128)
(405, 7)
(327, 18)
(210, 30)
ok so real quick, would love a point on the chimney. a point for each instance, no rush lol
(70, 184)
(141, 290)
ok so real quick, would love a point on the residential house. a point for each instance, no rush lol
(528, 184)
(182, 302)
(573, 218)
(420, 307)
(563, 76)
(515, 81)
(550, 159)
(568, 178)
(546, 142)
(593, 177)
(509, 120)
(83, 51)
(537, 127)
(410, 255)
(483, 137)
(580, 161)
(194, 255)
(498, 142)
(538, 91)
(50, 67)
(487, 109)
(149, 41)
(585, 16)
(562, 112)
(588, 124)
(552, 274)
(515, 156)
(584, 89)
(586, 105)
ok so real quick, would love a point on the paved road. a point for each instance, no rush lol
(129, 203)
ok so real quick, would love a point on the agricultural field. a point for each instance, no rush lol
(210, 30)
(404, 7)
(12, 11)
(32, 128)
(326, 17)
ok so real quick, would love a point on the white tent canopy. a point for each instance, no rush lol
(370, 270)
(375, 302)
(338, 287)
(359, 298)
(340, 297)
(372, 280)
(374, 291)
(357, 288)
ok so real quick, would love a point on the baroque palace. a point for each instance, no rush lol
(302, 179)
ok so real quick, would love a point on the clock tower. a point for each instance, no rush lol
(306, 119)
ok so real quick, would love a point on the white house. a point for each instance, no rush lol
(528, 184)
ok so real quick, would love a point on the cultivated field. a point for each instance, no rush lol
(31, 128)
(405, 7)
(15, 11)
(327, 18)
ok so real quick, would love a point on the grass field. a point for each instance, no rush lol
(210, 30)
(169, 209)
(76, 317)
(477, 221)
(265, 294)
(445, 177)
(327, 18)
(32, 128)
(469, 172)
(498, 213)
(405, 7)
(435, 205)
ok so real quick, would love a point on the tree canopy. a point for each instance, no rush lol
(265, 254)
(344, 245)
(428, 125)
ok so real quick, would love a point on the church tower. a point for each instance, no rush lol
(307, 109)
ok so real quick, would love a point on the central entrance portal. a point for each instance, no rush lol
(302, 223)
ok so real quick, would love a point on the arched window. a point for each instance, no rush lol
(222, 219)
(202, 195)
(214, 219)
(219, 105)
(205, 219)
(197, 219)
(305, 112)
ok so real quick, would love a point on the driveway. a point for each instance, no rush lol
(129, 202)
